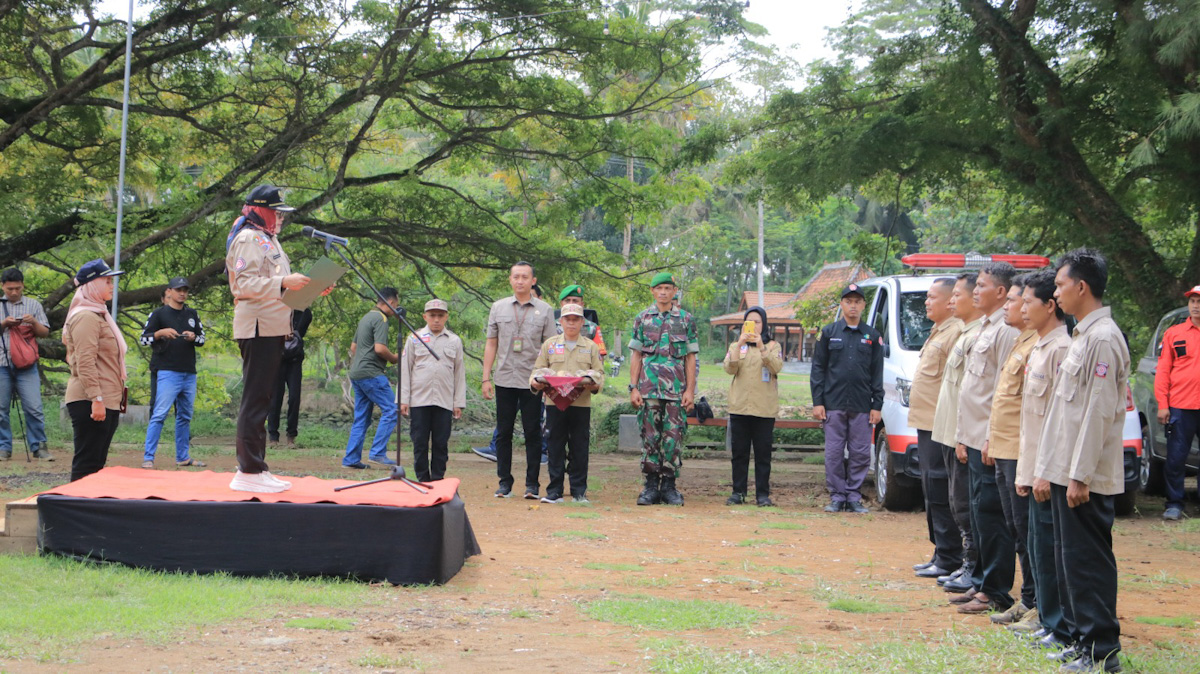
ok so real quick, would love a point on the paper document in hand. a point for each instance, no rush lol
(324, 273)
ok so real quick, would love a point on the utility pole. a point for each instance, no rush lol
(761, 302)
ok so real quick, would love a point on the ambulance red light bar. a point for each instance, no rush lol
(971, 261)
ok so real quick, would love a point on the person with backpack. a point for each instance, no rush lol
(22, 321)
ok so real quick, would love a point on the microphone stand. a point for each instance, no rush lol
(329, 245)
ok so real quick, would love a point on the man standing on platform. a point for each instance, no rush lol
(433, 392)
(847, 395)
(23, 319)
(997, 555)
(173, 331)
(291, 376)
(923, 397)
(1004, 447)
(662, 371)
(1177, 392)
(368, 376)
(1080, 465)
(945, 433)
(517, 325)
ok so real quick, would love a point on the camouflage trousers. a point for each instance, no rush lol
(663, 426)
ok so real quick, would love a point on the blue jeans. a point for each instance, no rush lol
(178, 389)
(367, 392)
(29, 387)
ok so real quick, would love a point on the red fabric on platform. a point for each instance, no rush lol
(136, 483)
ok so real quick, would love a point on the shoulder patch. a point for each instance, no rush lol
(240, 264)
(1101, 369)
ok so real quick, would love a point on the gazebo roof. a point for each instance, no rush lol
(781, 307)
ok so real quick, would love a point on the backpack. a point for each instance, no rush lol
(22, 347)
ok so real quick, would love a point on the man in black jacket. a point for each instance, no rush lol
(847, 393)
(173, 332)
(291, 376)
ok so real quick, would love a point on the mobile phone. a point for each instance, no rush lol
(749, 327)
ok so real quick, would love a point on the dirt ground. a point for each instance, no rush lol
(519, 605)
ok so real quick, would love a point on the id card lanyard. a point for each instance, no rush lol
(518, 343)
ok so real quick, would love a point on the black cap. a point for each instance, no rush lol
(267, 196)
(853, 289)
(178, 282)
(90, 271)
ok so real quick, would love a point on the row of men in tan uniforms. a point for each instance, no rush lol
(1007, 405)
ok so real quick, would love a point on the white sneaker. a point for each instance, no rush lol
(260, 483)
(276, 480)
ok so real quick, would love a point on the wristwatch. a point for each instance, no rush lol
(632, 388)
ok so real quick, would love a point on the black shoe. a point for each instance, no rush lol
(835, 506)
(1036, 635)
(503, 492)
(1085, 663)
(958, 585)
(735, 499)
(931, 572)
(1065, 655)
(857, 507)
(942, 580)
(924, 565)
(531, 494)
(763, 502)
(650, 495)
(1049, 642)
(670, 495)
(356, 466)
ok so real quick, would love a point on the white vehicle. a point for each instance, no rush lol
(896, 308)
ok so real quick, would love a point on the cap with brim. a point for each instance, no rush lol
(571, 310)
(1194, 292)
(437, 305)
(267, 196)
(571, 291)
(853, 289)
(93, 270)
(661, 278)
(177, 283)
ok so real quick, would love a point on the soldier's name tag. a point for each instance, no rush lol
(766, 375)
(517, 345)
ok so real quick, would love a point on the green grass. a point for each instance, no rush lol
(786, 526)
(757, 542)
(50, 606)
(672, 614)
(785, 570)
(1185, 547)
(837, 599)
(585, 515)
(1178, 621)
(602, 566)
(521, 613)
(814, 460)
(332, 624)
(375, 660)
(1191, 526)
(577, 535)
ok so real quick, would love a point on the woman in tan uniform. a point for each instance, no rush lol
(96, 356)
(754, 360)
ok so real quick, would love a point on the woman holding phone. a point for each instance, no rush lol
(754, 360)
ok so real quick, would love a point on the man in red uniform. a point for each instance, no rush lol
(1177, 391)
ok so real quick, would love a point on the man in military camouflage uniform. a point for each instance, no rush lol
(662, 371)
(573, 294)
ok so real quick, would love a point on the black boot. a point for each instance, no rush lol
(671, 495)
(650, 495)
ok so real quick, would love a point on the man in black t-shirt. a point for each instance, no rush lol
(173, 331)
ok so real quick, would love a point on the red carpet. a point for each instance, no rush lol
(136, 483)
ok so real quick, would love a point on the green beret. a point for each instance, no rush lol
(576, 290)
(661, 278)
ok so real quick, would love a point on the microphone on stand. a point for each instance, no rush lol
(324, 236)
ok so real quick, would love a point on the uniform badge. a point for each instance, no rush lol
(426, 338)
(240, 264)
(1101, 369)
(560, 349)
(192, 322)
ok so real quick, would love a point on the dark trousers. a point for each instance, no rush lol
(290, 374)
(746, 432)
(260, 365)
(997, 552)
(935, 482)
(1016, 515)
(960, 501)
(425, 422)
(847, 453)
(1183, 426)
(153, 388)
(1045, 574)
(568, 444)
(92, 438)
(1087, 570)
(509, 401)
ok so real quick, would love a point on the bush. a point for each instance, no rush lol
(610, 425)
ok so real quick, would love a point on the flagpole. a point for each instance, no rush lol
(121, 169)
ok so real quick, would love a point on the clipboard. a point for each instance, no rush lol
(323, 273)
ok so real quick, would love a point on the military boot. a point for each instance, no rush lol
(650, 495)
(671, 495)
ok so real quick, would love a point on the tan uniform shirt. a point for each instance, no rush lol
(1082, 438)
(555, 355)
(256, 266)
(1041, 372)
(945, 417)
(927, 380)
(754, 390)
(95, 360)
(429, 381)
(987, 354)
(511, 322)
(1004, 423)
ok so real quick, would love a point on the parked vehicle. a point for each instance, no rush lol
(896, 308)
(1154, 437)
